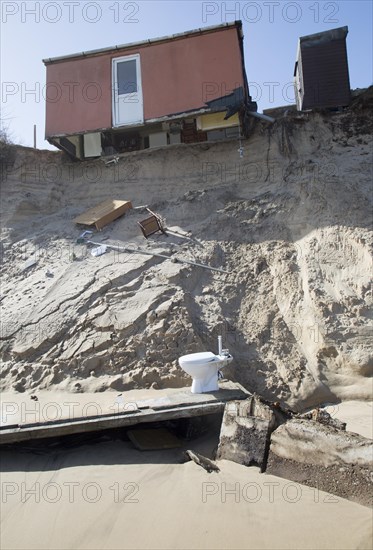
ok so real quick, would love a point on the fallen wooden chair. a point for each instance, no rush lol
(151, 225)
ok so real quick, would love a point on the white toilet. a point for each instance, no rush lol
(204, 368)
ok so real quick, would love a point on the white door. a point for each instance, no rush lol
(127, 92)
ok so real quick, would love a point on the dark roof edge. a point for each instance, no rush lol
(203, 30)
(324, 36)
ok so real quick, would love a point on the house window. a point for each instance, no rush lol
(126, 77)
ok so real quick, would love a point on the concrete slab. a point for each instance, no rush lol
(245, 432)
(323, 457)
(61, 414)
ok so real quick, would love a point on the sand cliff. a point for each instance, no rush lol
(290, 222)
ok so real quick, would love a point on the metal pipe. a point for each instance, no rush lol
(261, 116)
(173, 259)
(220, 345)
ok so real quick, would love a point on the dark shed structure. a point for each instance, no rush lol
(321, 70)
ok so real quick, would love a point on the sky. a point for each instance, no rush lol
(32, 31)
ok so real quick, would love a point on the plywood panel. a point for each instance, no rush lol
(213, 121)
(92, 145)
(103, 213)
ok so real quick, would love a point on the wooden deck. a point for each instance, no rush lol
(164, 405)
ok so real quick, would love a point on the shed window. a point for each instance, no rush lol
(126, 77)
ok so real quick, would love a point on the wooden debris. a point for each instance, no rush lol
(322, 416)
(103, 213)
(206, 463)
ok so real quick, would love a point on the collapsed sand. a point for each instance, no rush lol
(290, 222)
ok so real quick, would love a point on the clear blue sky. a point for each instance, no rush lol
(33, 30)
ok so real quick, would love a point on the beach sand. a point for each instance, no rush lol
(109, 495)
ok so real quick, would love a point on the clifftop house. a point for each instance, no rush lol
(183, 88)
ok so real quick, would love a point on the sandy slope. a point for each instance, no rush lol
(290, 222)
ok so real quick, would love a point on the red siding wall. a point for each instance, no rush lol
(174, 77)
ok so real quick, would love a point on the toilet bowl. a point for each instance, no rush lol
(204, 368)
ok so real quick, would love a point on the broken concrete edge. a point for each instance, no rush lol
(311, 449)
(249, 428)
(311, 442)
(318, 414)
(348, 482)
(323, 457)
(245, 432)
(322, 416)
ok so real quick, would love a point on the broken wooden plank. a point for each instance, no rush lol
(202, 461)
(181, 404)
(104, 213)
(104, 422)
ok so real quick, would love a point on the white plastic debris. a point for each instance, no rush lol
(29, 263)
(99, 250)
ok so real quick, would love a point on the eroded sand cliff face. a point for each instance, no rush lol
(290, 222)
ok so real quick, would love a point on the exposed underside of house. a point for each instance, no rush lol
(208, 125)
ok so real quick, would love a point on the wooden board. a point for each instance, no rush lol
(179, 404)
(103, 213)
